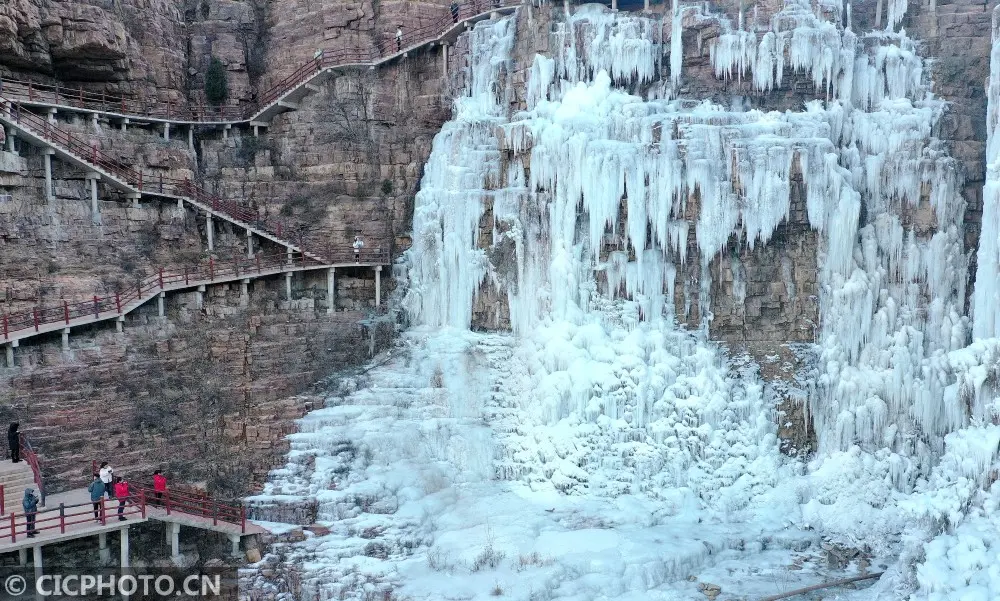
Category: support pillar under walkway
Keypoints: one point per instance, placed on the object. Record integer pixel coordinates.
(10, 352)
(92, 178)
(331, 290)
(209, 232)
(48, 152)
(37, 557)
(102, 545)
(124, 547)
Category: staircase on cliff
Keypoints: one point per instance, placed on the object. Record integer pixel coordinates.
(15, 478)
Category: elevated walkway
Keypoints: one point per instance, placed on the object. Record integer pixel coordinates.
(75, 151)
(71, 515)
(61, 318)
(282, 96)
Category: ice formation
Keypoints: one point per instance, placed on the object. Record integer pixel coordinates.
(986, 297)
(892, 295)
(579, 209)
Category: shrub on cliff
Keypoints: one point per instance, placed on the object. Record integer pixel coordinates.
(216, 83)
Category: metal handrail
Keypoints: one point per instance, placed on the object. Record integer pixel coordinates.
(128, 105)
(63, 516)
(208, 270)
(158, 185)
(30, 457)
(198, 506)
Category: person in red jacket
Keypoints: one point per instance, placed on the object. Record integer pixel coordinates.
(159, 486)
(121, 491)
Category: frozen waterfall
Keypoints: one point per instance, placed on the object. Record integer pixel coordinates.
(602, 448)
(596, 190)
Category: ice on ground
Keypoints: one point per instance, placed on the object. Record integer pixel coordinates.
(602, 452)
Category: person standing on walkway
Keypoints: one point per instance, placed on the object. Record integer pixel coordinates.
(358, 245)
(30, 505)
(121, 491)
(14, 442)
(108, 478)
(96, 490)
(399, 38)
(159, 486)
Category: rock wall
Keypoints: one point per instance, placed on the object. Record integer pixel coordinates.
(135, 47)
(204, 394)
(221, 384)
(347, 162)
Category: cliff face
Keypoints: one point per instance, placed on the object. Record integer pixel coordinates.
(347, 162)
(216, 385)
(135, 47)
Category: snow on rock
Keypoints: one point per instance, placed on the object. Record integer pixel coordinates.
(986, 297)
(600, 450)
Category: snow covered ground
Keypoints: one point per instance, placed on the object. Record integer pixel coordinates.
(599, 452)
(407, 461)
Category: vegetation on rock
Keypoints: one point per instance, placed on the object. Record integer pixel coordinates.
(216, 82)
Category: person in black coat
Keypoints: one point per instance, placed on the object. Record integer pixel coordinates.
(14, 442)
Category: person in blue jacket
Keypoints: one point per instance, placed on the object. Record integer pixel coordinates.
(30, 504)
(96, 489)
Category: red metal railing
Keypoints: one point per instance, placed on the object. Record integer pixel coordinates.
(166, 278)
(157, 185)
(64, 517)
(190, 503)
(29, 456)
(386, 47)
(197, 505)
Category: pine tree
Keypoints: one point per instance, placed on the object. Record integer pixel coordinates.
(216, 83)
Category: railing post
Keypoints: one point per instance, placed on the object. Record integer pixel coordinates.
(66, 310)
(186, 281)
(104, 513)
(13, 529)
(6, 327)
(211, 268)
(161, 278)
(140, 181)
(243, 519)
(258, 271)
(34, 313)
(118, 302)
(166, 500)
(215, 515)
(97, 308)
(2, 508)
(62, 518)
(142, 502)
